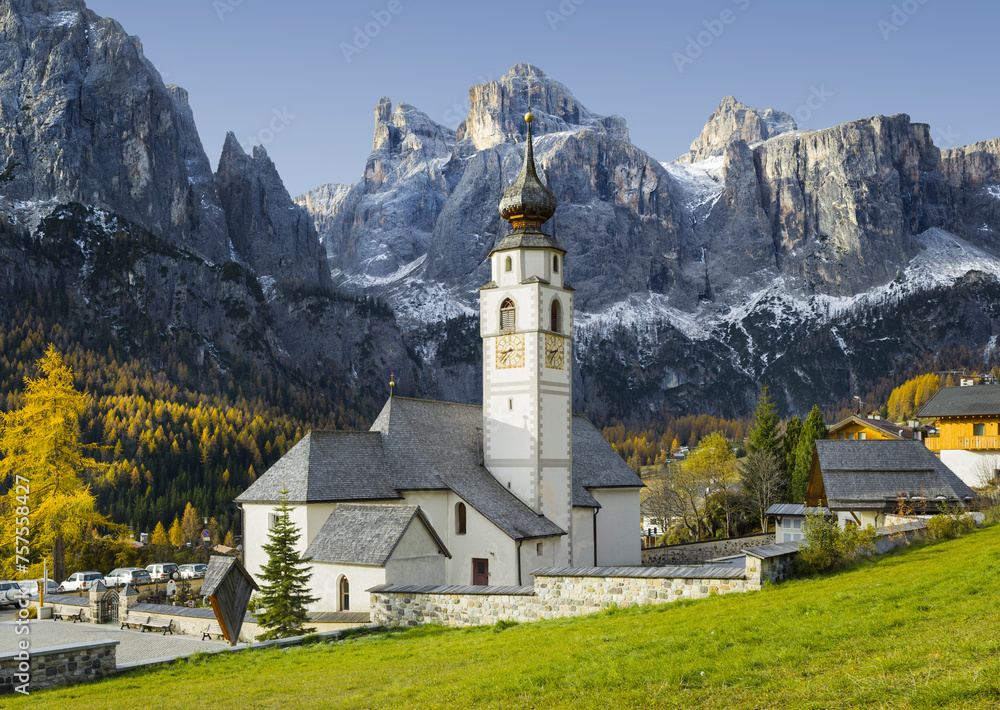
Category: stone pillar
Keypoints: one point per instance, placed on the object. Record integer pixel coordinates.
(127, 598)
(95, 603)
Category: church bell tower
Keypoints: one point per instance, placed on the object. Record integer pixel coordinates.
(526, 322)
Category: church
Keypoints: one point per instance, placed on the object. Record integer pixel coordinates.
(437, 493)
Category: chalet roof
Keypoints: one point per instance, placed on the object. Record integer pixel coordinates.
(366, 534)
(963, 401)
(890, 428)
(873, 475)
(425, 445)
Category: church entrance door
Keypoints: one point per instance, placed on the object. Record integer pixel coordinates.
(480, 571)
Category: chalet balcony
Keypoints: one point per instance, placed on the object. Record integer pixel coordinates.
(966, 443)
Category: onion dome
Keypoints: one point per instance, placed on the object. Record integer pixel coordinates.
(527, 204)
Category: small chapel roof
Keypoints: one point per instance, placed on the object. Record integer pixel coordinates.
(366, 534)
(420, 444)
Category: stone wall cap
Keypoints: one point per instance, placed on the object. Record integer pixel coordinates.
(88, 646)
(452, 589)
(655, 572)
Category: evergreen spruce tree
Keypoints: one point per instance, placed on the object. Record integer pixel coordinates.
(285, 593)
(764, 437)
(814, 428)
(789, 447)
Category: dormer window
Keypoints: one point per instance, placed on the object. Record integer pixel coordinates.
(508, 265)
(555, 319)
(555, 264)
(508, 315)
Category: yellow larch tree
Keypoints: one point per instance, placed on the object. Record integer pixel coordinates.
(176, 535)
(159, 536)
(47, 470)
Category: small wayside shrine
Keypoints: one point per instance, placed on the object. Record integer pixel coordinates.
(437, 493)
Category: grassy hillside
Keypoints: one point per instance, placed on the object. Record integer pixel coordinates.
(920, 629)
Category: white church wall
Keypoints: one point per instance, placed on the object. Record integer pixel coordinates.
(416, 559)
(583, 537)
(970, 466)
(618, 526)
(482, 539)
(538, 554)
(256, 525)
(325, 584)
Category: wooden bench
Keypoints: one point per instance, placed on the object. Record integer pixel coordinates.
(75, 616)
(159, 622)
(211, 630)
(134, 619)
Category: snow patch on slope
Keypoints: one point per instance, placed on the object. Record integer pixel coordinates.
(944, 259)
(700, 183)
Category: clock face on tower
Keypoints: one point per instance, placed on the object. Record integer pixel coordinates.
(555, 356)
(510, 351)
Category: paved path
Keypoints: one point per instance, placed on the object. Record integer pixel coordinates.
(134, 646)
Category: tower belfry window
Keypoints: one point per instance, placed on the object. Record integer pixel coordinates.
(508, 315)
(508, 265)
(555, 264)
(555, 319)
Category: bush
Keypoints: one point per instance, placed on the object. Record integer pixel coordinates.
(830, 547)
(949, 525)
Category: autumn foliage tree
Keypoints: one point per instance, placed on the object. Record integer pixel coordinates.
(47, 471)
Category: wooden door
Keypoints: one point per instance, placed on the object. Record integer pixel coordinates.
(480, 571)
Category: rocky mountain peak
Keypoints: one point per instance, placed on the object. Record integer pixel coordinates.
(406, 130)
(267, 230)
(497, 109)
(734, 120)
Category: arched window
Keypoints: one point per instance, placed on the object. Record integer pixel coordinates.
(508, 315)
(555, 264)
(508, 265)
(460, 518)
(345, 594)
(555, 320)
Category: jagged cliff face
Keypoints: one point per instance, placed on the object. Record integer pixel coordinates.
(705, 266)
(695, 279)
(90, 121)
(267, 231)
(732, 121)
(110, 157)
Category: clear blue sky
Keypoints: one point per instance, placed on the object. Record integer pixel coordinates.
(241, 60)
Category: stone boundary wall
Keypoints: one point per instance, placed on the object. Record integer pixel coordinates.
(555, 595)
(191, 622)
(33, 670)
(696, 553)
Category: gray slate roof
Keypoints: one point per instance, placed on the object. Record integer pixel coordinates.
(963, 401)
(425, 445)
(366, 534)
(327, 466)
(872, 475)
(794, 509)
(780, 549)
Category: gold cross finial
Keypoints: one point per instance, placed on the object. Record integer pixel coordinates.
(392, 383)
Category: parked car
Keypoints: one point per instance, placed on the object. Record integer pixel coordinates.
(193, 571)
(10, 593)
(81, 581)
(30, 588)
(127, 575)
(163, 570)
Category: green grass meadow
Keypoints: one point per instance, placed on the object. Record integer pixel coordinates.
(919, 628)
